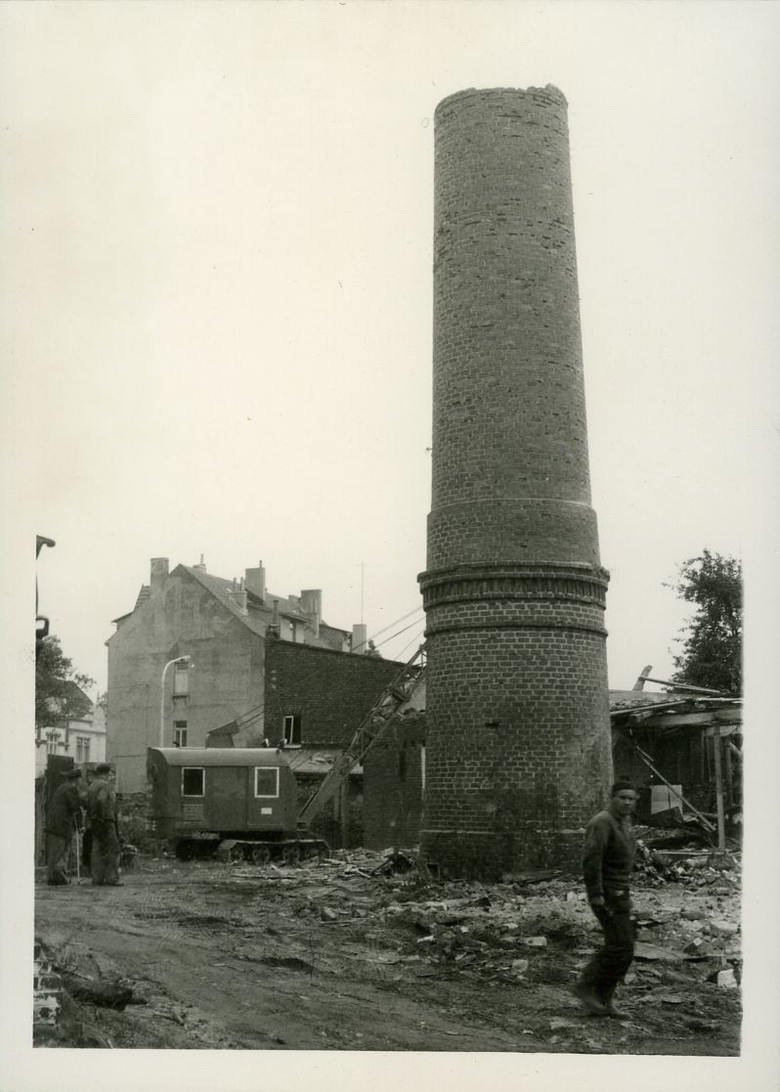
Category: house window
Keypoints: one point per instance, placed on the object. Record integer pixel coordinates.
(181, 680)
(292, 730)
(180, 733)
(82, 749)
(267, 781)
(193, 781)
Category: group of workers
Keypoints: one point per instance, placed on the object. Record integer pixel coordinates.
(88, 814)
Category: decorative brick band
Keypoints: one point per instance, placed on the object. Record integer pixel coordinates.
(582, 583)
(491, 627)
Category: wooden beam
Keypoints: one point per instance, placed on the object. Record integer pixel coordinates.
(719, 790)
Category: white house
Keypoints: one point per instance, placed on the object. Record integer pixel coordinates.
(84, 739)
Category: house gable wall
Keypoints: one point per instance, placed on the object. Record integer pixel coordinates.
(179, 618)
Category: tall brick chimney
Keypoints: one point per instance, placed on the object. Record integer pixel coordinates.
(518, 741)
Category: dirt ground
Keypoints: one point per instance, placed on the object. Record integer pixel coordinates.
(333, 954)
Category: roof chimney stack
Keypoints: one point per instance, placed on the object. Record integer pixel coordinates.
(274, 629)
(311, 604)
(255, 581)
(159, 574)
(238, 594)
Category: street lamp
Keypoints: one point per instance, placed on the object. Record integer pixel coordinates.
(178, 660)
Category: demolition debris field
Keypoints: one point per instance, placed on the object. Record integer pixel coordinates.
(355, 952)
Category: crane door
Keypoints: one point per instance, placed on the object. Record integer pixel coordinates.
(227, 798)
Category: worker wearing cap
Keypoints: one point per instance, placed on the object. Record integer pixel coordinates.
(62, 818)
(608, 861)
(101, 809)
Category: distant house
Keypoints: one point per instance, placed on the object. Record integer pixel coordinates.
(83, 739)
(262, 666)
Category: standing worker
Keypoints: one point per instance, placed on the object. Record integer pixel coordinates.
(101, 809)
(608, 861)
(63, 817)
(86, 838)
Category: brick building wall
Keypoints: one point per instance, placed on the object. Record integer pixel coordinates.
(518, 751)
(393, 774)
(330, 691)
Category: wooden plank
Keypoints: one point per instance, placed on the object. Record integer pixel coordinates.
(719, 791)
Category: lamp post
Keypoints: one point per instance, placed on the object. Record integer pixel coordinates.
(177, 660)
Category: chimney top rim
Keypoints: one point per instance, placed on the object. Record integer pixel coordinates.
(550, 90)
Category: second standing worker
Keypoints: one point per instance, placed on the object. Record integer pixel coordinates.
(103, 820)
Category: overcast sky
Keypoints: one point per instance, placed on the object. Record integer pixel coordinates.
(217, 293)
(216, 321)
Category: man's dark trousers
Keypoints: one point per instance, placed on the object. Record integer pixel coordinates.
(105, 855)
(610, 963)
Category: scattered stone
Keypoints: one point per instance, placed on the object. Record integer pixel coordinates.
(292, 963)
(653, 952)
(724, 928)
(538, 875)
(724, 979)
(327, 914)
(519, 966)
(110, 995)
(696, 1023)
(534, 942)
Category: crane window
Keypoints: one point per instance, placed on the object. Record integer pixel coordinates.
(193, 780)
(267, 781)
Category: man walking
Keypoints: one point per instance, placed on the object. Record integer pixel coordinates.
(608, 861)
(63, 817)
(101, 808)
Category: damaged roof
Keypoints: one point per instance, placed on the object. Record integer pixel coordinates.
(639, 705)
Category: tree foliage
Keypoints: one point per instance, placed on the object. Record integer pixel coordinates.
(712, 641)
(58, 686)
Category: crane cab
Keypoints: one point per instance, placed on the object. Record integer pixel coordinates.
(204, 793)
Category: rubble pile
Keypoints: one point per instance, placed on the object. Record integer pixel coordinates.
(333, 950)
(676, 857)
